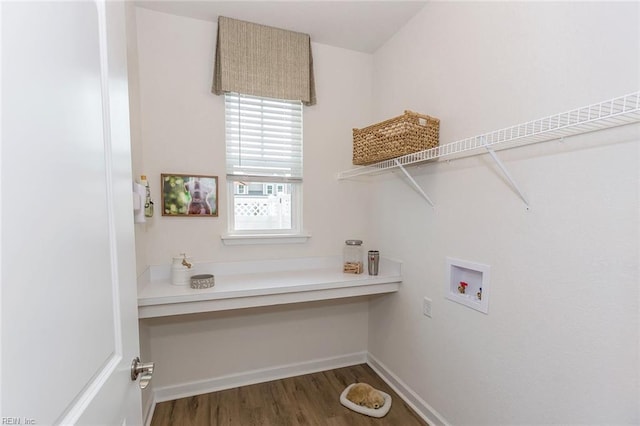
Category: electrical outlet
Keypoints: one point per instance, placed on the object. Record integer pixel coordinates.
(426, 307)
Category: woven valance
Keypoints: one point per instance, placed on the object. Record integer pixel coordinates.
(258, 60)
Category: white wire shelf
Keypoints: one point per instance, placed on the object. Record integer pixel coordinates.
(611, 113)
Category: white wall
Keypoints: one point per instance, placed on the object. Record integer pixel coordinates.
(193, 348)
(182, 131)
(560, 341)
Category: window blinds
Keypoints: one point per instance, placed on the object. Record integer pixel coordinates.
(264, 139)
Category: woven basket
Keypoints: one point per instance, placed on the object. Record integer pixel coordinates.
(410, 132)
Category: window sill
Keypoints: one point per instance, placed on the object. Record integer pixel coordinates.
(249, 239)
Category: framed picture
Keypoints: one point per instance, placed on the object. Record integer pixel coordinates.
(189, 195)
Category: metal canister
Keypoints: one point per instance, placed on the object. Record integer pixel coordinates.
(373, 258)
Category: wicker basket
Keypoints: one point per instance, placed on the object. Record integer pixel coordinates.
(410, 132)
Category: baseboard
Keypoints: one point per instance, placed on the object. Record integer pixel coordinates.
(169, 393)
(412, 399)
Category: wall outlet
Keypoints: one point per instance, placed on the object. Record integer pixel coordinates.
(426, 307)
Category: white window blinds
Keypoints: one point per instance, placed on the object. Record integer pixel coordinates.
(264, 139)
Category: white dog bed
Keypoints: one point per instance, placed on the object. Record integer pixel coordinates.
(371, 412)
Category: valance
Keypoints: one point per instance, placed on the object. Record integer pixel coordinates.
(259, 60)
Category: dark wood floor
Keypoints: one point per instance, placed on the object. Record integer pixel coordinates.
(310, 400)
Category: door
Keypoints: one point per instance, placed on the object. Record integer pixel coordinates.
(68, 293)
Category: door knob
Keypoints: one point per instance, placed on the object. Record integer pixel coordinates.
(142, 369)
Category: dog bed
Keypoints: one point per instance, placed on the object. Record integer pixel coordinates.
(371, 412)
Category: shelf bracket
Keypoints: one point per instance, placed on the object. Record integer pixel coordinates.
(506, 173)
(414, 183)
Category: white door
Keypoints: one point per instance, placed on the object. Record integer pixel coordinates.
(68, 294)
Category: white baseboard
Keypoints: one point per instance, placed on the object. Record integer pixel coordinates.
(412, 399)
(168, 393)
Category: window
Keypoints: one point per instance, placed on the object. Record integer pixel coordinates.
(268, 189)
(240, 188)
(264, 164)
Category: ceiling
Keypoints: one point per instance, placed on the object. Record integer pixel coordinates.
(357, 25)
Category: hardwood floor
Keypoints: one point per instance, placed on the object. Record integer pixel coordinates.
(309, 400)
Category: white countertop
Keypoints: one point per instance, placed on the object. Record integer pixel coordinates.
(260, 283)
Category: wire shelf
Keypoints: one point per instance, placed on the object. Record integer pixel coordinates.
(611, 113)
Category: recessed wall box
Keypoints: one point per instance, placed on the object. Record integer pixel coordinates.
(468, 283)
